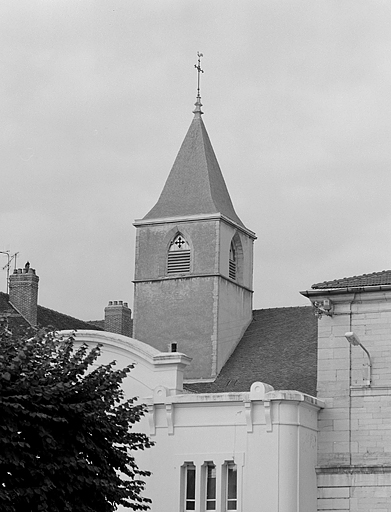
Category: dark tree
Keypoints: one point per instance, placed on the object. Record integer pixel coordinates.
(66, 442)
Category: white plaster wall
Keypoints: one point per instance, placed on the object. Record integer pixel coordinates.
(151, 367)
(277, 457)
(270, 435)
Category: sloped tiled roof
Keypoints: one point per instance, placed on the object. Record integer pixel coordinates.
(195, 184)
(97, 323)
(5, 306)
(50, 318)
(15, 322)
(278, 348)
(45, 317)
(373, 279)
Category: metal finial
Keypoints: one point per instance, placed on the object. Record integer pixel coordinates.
(198, 103)
(199, 71)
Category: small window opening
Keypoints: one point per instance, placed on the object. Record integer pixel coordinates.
(190, 487)
(232, 262)
(210, 487)
(231, 487)
(173, 347)
(178, 261)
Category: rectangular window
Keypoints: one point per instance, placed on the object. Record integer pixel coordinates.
(190, 487)
(210, 487)
(232, 487)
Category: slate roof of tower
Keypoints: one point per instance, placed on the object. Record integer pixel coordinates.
(373, 279)
(195, 184)
(279, 348)
(45, 317)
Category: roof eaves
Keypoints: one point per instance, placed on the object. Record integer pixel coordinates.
(346, 289)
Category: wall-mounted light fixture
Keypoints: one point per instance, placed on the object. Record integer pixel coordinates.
(323, 307)
(354, 340)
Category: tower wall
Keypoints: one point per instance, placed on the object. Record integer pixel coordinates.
(203, 311)
(153, 240)
(181, 311)
(234, 316)
(227, 233)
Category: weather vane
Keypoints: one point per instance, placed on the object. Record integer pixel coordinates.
(199, 71)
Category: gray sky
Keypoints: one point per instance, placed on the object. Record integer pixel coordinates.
(96, 97)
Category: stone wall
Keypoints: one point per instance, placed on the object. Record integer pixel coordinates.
(354, 445)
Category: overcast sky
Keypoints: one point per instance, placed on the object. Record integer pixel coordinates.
(96, 97)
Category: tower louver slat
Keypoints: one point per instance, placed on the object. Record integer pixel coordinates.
(178, 262)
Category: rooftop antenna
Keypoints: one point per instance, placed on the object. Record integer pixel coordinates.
(8, 264)
(198, 103)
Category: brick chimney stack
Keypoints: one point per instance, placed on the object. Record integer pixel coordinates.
(118, 318)
(23, 292)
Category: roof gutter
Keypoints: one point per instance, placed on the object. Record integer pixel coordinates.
(349, 289)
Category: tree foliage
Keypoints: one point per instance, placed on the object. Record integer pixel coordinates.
(66, 442)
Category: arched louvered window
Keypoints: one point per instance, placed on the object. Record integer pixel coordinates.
(232, 262)
(178, 259)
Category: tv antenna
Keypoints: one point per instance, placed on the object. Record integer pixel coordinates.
(8, 264)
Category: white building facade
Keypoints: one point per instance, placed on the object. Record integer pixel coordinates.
(250, 451)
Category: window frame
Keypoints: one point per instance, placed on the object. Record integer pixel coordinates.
(229, 466)
(210, 502)
(187, 500)
(236, 259)
(178, 260)
(222, 462)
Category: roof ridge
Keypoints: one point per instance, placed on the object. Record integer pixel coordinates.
(303, 306)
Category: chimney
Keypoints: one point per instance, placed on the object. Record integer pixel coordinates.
(118, 318)
(23, 292)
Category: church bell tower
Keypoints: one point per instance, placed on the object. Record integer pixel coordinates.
(194, 261)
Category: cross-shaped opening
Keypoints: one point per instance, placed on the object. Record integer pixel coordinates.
(179, 244)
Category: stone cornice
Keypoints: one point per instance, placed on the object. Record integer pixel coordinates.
(351, 470)
(194, 218)
(190, 276)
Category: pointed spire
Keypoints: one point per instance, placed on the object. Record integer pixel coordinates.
(195, 185)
